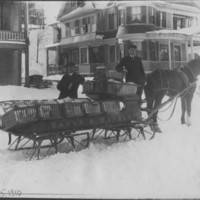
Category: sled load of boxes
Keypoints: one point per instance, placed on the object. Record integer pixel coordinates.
(20, 112)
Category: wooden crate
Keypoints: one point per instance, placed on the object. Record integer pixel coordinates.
(73, 109)
(49, 111)
(121, 89)
(113, 74)
(111, 107)
(19, 116)
(92, 108)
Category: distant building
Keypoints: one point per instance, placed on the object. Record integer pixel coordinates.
(12, 42)
(97, 33)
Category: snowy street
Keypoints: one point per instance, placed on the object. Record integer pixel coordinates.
(166, 167)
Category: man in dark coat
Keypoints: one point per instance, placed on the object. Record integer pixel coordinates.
(133, 67)
(68, 85)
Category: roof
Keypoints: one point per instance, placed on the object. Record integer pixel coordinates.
(135, 28)
(80, 11)
(181, 34)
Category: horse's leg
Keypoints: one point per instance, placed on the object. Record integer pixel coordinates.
(149, 99)
(183, 107)
(189, 98)
(158, 101)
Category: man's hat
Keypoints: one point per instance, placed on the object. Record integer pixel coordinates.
(132, 46)
(70, 64)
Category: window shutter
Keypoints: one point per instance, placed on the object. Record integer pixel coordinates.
(168, 19)
(128, 14)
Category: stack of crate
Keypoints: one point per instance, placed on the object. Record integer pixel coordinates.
(109, 82)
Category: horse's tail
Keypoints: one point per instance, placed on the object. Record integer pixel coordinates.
(9, 138)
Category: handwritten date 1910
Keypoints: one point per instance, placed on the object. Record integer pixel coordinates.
(10, 193)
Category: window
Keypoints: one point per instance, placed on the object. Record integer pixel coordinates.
(77, 27)
(188, 22)
(74, 56)
(84, 55)
(177, 53)
(144, 50)
(111, 21)
(136, 15)
(152, 47)
(179, 22)
(151, 13)
(120, 17)
(86, 25)
(73, 4)
(67, 30)
(164, 53)
(161, 19)
(112, 53)
(95, 54)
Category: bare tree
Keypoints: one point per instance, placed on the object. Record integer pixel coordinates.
(39, 39)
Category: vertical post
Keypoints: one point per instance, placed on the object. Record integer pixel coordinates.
(186, 49)
(170, 60)
(47, 62)
(27, 44)
(192, 48)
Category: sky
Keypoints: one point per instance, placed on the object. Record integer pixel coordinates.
(51, 9)
(167, 167)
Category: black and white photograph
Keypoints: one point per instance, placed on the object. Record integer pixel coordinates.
(100, 99)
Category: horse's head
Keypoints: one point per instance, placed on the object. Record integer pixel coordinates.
(194, 66)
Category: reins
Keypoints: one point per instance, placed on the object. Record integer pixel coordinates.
(171, 112)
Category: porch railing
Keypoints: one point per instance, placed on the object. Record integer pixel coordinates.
(11, 36)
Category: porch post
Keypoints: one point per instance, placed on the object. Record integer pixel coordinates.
(170, 60)
(186, 49)
(27, 44)
(47, 62)
(191, 46)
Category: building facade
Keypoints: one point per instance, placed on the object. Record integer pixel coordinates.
(12, 42)
(97, 33)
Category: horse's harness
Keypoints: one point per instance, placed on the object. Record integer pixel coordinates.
(181, 75)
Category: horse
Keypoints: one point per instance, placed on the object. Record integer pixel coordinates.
(180, 82)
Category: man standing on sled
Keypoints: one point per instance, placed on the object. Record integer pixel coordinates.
(133, 67)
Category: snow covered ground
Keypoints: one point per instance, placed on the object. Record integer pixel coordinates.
(166, 167)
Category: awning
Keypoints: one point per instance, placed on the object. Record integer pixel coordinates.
(181, 34)
(52, 46)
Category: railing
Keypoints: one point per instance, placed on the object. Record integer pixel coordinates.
(152, 65)
(11, 36)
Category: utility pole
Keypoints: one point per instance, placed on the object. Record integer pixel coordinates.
(27, 44)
